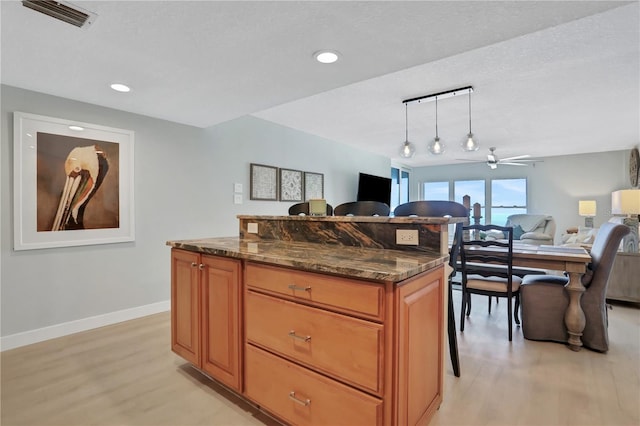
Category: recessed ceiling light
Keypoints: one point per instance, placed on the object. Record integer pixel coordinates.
(119, 87)
(76, 128)
(326, 56)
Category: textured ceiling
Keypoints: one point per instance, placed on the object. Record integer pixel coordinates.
(550, 78)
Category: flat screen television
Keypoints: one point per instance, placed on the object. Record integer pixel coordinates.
(374, 188)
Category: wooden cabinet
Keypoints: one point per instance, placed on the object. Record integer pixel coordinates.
(206, 314)
(624, 283)
(420, 342)
(322, 349)
(185, 305)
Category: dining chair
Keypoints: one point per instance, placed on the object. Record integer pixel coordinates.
(303, 208)
(545, 300)
(487, 269)
(440, 208)
(431, 208)
(362, 208)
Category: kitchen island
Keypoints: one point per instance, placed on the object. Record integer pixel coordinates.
(317, 333)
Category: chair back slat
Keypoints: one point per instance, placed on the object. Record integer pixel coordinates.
(476, 253)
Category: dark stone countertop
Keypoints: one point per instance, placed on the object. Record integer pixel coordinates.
(370, 219)
(354, 262)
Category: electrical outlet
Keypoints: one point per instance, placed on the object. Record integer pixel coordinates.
(252, 228)
(407, 237)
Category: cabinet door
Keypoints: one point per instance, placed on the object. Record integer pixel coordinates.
(420, 334)
(185, 309)
(221, 319)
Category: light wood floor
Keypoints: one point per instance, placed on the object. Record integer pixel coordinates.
(125, 374)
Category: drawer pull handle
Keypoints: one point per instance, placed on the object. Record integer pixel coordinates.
(295, 287)
(194, 264)
(305, 402)
(293, 334)
(201, 266)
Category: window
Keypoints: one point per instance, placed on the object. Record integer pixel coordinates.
(498, 198)
(508, 196)
(399, 187)
(436, 191)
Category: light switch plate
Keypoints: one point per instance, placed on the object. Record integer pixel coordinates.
(237, 198)
(237, 188)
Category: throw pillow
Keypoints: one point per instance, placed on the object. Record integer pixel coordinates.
(517, 232)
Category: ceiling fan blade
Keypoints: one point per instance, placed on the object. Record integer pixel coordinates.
(533, 160)
(470, 161)
(517, 157)
(502, 163)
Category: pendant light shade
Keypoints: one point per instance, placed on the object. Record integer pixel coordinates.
(436, 146)
(469, 143)
(407, 150)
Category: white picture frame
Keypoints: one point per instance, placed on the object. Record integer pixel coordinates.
(50, 156)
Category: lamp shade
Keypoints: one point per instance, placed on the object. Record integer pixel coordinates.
(587, 207)
(625, 201)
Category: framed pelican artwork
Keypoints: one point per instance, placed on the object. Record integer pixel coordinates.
(73, 183)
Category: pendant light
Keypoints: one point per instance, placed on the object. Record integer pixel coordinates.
(436, 147)
(407, 150)
(469, 144)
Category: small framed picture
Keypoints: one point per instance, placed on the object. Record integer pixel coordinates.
(263, 182)
(291, 188)
(313, 185)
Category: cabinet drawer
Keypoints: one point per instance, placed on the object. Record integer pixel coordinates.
(342, 294)
(302, 397)
(344, 347)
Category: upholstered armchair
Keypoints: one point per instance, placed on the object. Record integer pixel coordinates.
(534, 229)
(545, 300)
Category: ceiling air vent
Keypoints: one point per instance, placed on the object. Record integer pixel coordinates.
(63, 11)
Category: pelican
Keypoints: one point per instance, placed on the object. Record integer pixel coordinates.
(85, 168)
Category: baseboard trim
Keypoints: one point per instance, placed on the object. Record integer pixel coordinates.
(51, 332)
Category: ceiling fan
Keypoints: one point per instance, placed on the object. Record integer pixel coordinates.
(493, 161)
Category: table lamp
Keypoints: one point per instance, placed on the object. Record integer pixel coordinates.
(587, 208)
(627, 202)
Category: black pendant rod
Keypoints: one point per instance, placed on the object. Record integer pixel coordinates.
(441, 95)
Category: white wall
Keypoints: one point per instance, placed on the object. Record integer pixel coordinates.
(184, 180)
(554, 186)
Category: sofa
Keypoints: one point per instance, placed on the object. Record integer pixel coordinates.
(583, 236)
(536, 229)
